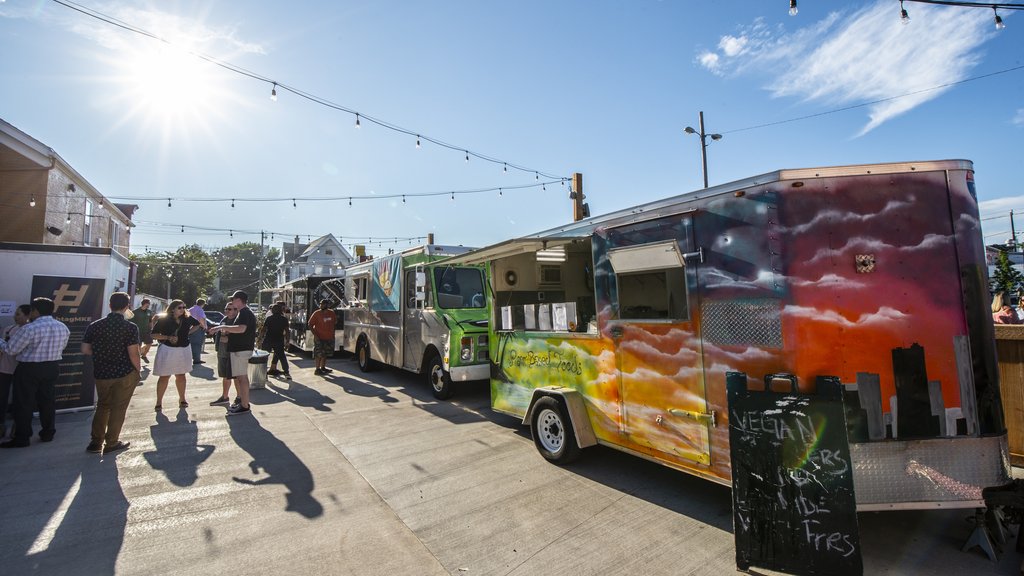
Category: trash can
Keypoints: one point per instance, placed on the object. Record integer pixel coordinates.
(258, 369)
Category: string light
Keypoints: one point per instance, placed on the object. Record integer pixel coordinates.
(349, 200)
(183, 229)
(168, 202)
(32, 201)
(417, 141)
(453, 196)
(231, 233)
(505, 169)
(273, 93)
(403, 198)
(999, 19)
(904, 17)
(357, 120)
(293, 203)
(499, 191)
(536, 176)
(467, 155)
(232, 202)
(69, 218)
(792, 8)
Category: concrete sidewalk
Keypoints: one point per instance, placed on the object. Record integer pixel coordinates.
(349, 474)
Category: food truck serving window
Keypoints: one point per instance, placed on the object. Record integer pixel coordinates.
(651, 281)
(459, 287)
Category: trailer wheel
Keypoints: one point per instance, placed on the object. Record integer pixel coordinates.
(552, 431)
(363, 355)
(439, 380)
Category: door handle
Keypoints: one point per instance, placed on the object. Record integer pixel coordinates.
(706, 418)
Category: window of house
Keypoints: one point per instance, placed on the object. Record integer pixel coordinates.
(329, 251)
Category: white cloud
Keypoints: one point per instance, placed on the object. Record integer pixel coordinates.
(859, 56)
(1019, 118)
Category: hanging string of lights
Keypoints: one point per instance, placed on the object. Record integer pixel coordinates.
(272, 235)
(905, 16)
(275, 84)
(543, 185)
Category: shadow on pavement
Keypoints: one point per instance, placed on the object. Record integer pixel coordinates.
(358, 388)
(176, 452)
(296, 393)
(280, 465)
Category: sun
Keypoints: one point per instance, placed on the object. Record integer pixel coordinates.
(165, 83)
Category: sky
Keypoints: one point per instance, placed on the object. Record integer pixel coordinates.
(541, 88)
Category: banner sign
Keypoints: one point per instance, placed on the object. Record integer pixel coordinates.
(78, 302)
(386, 286)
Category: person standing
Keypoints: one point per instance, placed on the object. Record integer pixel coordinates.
(322, 323)
(142, 317)
(220, 341)
(8, 363)
(275, 339)
(198, 338)
(173, 357)
(39, 347)
(241, 333)
(113, 343)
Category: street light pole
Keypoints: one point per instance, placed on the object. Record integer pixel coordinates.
(703, 144)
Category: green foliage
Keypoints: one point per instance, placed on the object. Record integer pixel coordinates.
(191, 272)
(1006, 278)
(186, 274)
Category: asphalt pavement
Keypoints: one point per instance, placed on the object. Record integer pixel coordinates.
(355, 473)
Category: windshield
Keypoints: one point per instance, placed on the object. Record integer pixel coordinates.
(459, 287)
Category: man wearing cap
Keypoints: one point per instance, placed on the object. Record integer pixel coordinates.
(113, 343)
(322, 323)
(39, 347)
(241, 331)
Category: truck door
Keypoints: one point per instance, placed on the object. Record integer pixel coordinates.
(657, 344)
(412, 324)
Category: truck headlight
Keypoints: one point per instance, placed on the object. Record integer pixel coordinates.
(467, 349)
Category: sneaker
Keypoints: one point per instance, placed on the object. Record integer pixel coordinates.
(273, 372)
(145, 359)
(287, 376)
(221, 400)
(237, 402)
(94, 448)
(236, 410)
(119, 446)
(326, 369)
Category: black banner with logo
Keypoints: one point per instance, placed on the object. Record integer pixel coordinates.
(78, 302)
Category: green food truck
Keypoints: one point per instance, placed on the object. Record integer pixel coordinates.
(403, 310)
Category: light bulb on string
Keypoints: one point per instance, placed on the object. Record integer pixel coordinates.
(467, 155)
(231, 233)
(69, 218)
(904, 16)
(453, 196)
(349, 200)
(792, 8)
(417, 141)
(232, 202)
(536, 176)
(357, 120)
(544, 186)
(505, 168)
(293, 203)
(999, 19)
(168, 202)
(273, 93)
(32, 201)
(403, 198)
(183, 229)
(499, 191)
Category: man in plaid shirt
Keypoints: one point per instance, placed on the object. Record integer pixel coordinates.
(39, 347)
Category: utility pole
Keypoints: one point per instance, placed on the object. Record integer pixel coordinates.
(580, 210)
(259, 287)
(703, 144)
(1013, 233)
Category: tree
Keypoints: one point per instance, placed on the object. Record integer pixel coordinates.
(1006, 278)
(238, 267)
(185, 274)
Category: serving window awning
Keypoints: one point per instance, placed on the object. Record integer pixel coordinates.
(646, 257)
(512, 247)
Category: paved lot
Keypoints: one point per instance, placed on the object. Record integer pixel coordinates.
(355, 475)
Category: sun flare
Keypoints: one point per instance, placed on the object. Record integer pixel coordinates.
(166, 82)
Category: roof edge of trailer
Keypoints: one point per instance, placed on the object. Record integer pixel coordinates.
(584, 228)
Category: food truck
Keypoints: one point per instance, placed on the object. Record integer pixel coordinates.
(403, 311)
(301, 298)
(622, 329)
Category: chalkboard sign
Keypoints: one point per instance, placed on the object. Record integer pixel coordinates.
(794, 508)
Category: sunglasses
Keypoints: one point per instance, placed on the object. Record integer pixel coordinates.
(180, 308)
(229, 309)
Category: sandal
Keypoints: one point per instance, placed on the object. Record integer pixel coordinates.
(159, 408)
(182, 404)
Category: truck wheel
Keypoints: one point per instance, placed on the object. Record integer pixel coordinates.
(438, 379)
(552, 431)
(363, 355)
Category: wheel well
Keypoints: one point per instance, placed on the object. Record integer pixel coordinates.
(576, 412)
(431, 349)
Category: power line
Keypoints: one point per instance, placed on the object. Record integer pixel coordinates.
(306, 95)
(880, 100)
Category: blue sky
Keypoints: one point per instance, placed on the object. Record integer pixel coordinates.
(600, 87)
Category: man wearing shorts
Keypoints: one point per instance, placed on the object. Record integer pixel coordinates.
(142, 317)
(322, 323)
(241, 333)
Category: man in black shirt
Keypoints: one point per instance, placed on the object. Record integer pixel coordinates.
(113, 343)
(275, 339)
(241, 340)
